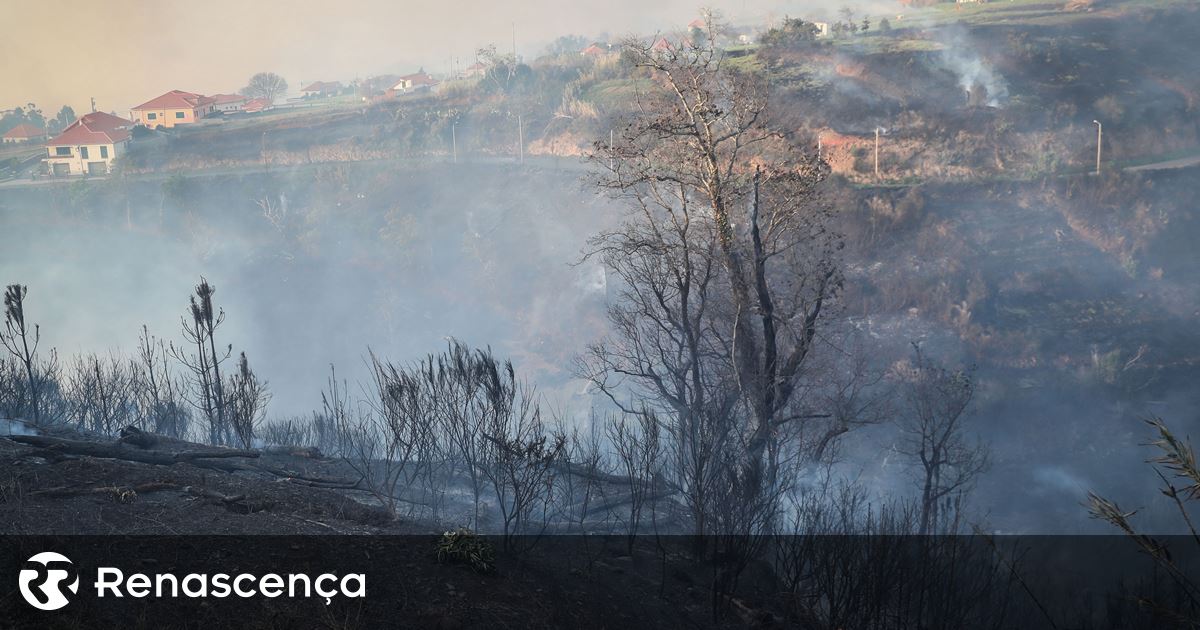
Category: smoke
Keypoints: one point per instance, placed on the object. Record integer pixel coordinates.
(15, 427)
(976, 77)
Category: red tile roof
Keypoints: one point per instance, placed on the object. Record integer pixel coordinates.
(175, 99)
(418, 78)
(105, 122)
(94, 128)
(323, 86)
(256, 105)
(25, 131)
(594, 49)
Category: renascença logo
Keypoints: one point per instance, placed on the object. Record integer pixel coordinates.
(43, 578)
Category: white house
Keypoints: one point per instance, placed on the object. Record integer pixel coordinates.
(89, 145)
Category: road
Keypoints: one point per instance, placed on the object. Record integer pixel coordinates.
(1183, 162)
(552, 162)
(556, 162)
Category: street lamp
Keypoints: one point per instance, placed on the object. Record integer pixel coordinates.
(1099, 143)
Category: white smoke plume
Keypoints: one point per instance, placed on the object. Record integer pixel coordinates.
(960, 56)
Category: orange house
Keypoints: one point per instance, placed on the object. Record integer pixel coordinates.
(173, 108)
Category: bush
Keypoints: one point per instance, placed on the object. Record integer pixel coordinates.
(463, 546)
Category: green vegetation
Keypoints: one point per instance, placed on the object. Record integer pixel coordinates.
(462, 546)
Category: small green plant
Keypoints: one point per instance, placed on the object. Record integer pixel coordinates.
(465, 547)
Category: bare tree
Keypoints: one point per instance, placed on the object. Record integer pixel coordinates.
(520, 461)
(935, 435)
(266, 85)
(726, 267)
(638, 445)
(101, 394)
(455, 381)
(585, 465)
(247, 399)
(158, 389)
(375, 436)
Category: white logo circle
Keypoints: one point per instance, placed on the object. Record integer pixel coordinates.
(42, 586)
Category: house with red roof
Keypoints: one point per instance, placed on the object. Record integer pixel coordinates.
(319, 89)
(416, 82)
(173, 108)
(595, 50)
(228, 103)
(256, 105)
(24, 132)
(663, 45)
(89, 145)
(477, 69)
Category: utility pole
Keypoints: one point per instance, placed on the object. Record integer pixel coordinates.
(1099, 143)
(877, 129)
(819, 145)
(520, 139)
(454, 141)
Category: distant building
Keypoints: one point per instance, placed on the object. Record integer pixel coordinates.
(662, 45)
(595, 50)
(477, 69)
(416, 82)
(698, 23)
(376, 86)
(256, 105)
(173, 108)
(89, 145)
(228, 103)
(320, 89)
(822, 28)
(24, 133)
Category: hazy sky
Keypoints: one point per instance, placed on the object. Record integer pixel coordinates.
(124, 52)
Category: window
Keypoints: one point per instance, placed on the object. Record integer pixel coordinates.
(151, 116)
(62, 151)
(179, 114)
(83, 152)
(104, 152)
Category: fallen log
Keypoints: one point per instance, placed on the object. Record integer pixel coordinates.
(234, 503)
(214, 458)
(315, 482)
(308, 452)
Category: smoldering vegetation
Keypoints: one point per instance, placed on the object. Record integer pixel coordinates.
(1088, 332)
(712, 335)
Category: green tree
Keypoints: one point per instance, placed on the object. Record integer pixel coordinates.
(792, 34)
(65, 116)
(28, 115)
(567, 45)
